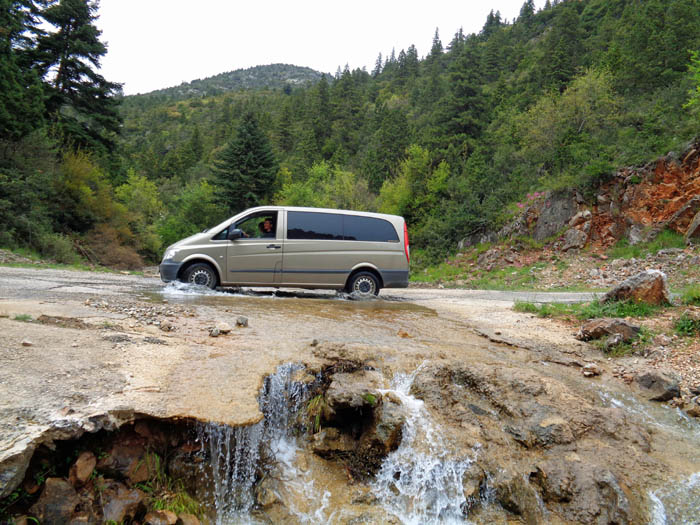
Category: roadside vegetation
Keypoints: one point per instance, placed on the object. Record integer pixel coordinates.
(454, 137)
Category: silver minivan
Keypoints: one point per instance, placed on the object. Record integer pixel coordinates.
(282, 246)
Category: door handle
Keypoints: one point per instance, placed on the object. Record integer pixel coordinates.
(274, 246)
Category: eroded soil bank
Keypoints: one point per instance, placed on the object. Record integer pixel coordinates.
(496, 396)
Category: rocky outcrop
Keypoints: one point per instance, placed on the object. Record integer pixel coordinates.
(649, 286)
(659, 386)
(599, 328)
(57, 503)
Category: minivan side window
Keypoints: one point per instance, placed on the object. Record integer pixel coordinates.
(312, 225)
(315, 225)
(356, 228)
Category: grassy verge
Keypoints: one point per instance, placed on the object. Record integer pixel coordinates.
(664, 240)
(592, 310)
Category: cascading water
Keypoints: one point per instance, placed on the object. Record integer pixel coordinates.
(678, 503)
(421, 482)
(235, 453)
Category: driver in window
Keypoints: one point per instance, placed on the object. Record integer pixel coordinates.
(267, 228)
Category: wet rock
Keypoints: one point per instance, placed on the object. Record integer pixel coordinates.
(81, 470)
(660, 386)
(384, 435)
(553, 431)
(582, 492)
(574, 239)
(649, 286)
(591, 370)
(354, 390)
(330, 442)
(224, 328)
(187, 519)
(57, 502)
(121, 502)
(160, 517)
(599, 328)
(515, 494)
(242, 321)
(265, 495)
(126, 460)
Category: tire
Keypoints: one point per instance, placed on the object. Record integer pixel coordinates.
(201, 274)
(363, 284)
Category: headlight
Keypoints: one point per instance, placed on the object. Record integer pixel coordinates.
(169, 254)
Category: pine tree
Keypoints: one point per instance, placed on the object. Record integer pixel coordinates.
(80, 101)
(245, 171)
(21, 103)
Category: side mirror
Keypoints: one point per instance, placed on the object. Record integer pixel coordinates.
(234, 234)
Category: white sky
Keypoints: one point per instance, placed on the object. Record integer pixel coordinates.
(154, 44)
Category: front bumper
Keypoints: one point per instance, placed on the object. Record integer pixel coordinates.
(169, 270)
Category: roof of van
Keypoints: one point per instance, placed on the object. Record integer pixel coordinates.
(326, 210)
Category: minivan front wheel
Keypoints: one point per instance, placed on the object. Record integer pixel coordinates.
(201, 274)
(363, 284)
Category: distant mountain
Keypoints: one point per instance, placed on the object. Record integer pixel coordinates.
(273, 76)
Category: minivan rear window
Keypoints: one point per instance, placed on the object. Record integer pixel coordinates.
(357, 228)
(305, 225)
(315, 225)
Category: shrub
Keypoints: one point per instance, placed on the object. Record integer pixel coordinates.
(691, 295)
(687, 326)
(106, 247)
(57, 247)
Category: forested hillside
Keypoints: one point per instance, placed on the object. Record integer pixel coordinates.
(452, 137)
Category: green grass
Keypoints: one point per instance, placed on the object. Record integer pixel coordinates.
(25, 318)
(687, 326)
(691, 295)
(666, 239)
(591, 310)
(441, 272)
(624, 349)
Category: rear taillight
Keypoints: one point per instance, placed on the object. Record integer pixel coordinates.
(405, 243)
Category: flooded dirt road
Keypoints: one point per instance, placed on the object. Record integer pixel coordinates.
(83, 351)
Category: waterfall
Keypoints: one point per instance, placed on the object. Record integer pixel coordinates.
(235, 453)
(421, 482)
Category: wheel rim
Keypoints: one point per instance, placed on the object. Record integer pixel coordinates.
(202, 277)
(364, 286)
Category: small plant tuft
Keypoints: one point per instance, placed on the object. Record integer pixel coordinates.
(687, 326)
(25, 318)
(691, 295)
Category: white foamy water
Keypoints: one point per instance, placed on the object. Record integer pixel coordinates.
(677, 504)
(421, 482)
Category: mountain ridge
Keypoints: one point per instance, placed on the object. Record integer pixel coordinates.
(268, 76)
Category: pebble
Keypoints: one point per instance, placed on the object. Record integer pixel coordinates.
(214, 332)
(242, 321)
(27, 342)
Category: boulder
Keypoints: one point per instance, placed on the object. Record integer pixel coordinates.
(57, 502)
(580, 218)
(574, 239)
(81, 470)
(692, 234)
(584, 493)
(386, 430)
(355, 390)
(120, 502)
(187, 519)
(557, 211)
(224, 328)
(659, 386)
(160, 517)
(649, 286)
(598, 328)
(330, 442)
(515, 494)
(126, 460)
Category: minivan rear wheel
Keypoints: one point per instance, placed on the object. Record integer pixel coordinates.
(201, 274)
(363, 284)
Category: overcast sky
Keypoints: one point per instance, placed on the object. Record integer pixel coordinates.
(154, 44)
